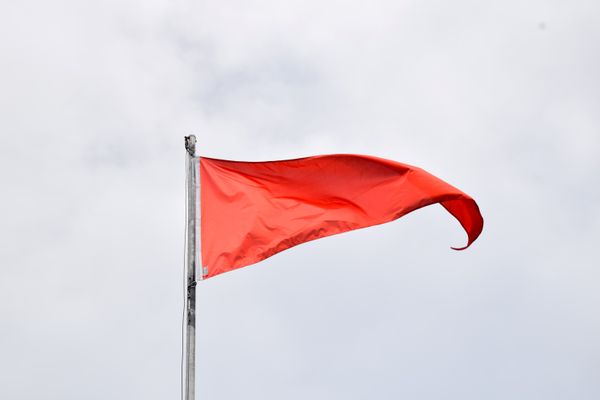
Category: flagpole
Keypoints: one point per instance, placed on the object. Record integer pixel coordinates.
(191, 255)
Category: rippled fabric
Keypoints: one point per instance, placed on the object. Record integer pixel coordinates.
(253, 210)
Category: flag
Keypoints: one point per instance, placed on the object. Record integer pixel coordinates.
(250, 211)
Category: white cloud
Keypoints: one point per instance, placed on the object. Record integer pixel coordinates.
(499, 99)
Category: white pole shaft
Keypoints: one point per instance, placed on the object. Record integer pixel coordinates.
(190, 271)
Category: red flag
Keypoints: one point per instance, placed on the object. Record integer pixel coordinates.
(253, 210)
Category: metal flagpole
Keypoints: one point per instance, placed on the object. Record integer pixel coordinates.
(191, 255)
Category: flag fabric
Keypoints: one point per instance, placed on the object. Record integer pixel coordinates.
(250, 211)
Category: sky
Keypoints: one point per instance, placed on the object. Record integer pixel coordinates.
(500, 99)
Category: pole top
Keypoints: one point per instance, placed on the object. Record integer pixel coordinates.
(190, 145)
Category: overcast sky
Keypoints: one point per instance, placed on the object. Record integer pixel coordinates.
(501, 99)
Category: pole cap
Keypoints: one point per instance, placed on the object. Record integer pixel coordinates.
(190, 144)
